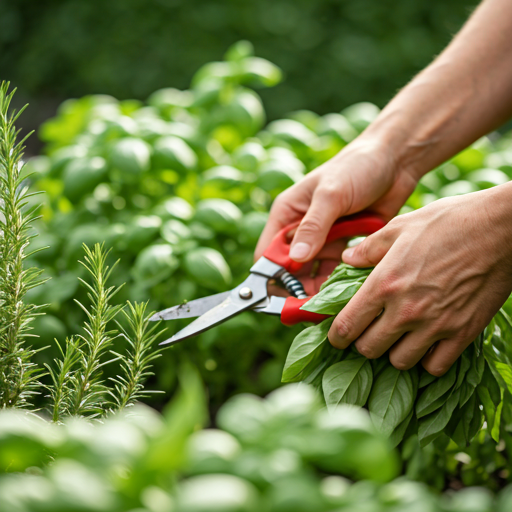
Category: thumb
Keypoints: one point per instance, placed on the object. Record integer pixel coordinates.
(371, 250)
(312, 232)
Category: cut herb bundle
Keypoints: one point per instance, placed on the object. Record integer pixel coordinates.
(403, 403)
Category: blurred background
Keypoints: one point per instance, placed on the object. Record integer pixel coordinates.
(333, 52)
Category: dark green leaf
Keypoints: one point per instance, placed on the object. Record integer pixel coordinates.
(348, 381)
(431, 398)
(391, 399)
(433, 424)
(462, 418)
(398, 434)
(426, 378)
(464, 364)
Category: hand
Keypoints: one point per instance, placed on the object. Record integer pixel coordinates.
(442, 272)
(364, 175)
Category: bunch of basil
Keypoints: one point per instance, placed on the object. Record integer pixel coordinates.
(403, 403)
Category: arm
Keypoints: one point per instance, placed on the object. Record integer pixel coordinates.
(463, 94)
(442, 271)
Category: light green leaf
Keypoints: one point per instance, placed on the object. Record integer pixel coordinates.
(348, 382)
(391, 399)
(506, 373)
(304, 348)
(332, 299)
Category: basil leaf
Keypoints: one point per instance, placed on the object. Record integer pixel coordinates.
(505, 372)
(475, 372)
(466, 392)
(435, 391)
(398, 434)
(464, 364)
(333, 298)
(462, 418)
(476, 421)
(304, 348)
(433, 424)
(426, 378)
(491, 396)
(345, 272)
(348, 382)
(391, 399)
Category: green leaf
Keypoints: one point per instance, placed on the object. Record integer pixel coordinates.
(462, 418)
(391, 399)
(464, 364)
(332, 299)
(304, 348)
(348, 382)
(506, 373)
(398, 434)
(426, 378)
(432, 397)
(433, 424)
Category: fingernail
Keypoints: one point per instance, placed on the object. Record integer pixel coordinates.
(300, 251)
(348, 253)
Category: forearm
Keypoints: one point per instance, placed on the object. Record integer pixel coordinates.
(465, 93)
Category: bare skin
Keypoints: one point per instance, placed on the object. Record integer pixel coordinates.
(443, 271)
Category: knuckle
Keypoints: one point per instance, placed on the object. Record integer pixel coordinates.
(343, 328)
(310, 226)
(328, 193)
(436, 370)
(389, 286)
(399, 363)
(367, 351)
(280, 202)
(410, 312)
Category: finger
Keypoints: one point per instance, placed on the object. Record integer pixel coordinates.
(380, 336)
(356, 316)
(445, 353)
(312, 231)
(285, 210)
(372, 249)
(409, 350)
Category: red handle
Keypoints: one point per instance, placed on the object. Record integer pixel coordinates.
(292, 314)
(354, 225)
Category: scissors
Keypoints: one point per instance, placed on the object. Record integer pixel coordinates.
(252, 293)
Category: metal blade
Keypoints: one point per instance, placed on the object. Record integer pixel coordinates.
(272, 305)
(191, 309)
(231, 306)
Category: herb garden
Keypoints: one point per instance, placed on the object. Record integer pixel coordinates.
(135, 207)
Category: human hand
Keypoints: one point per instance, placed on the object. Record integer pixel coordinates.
(364, 175)
(442, 272)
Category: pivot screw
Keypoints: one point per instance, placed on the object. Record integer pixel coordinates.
(245, 293)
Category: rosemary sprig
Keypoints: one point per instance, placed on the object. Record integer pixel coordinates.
(136, 364)
(64, 379)
(89, 392)
(19, 376)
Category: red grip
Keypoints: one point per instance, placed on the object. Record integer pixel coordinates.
(353, 225)
(292, 314)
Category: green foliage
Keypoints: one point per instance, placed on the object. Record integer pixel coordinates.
(278, 454)
(18, 373)
(439, 405)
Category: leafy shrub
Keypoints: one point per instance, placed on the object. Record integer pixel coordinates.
(283, 453)
(411, 401)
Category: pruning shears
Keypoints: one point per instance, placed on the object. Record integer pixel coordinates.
(252, 293)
